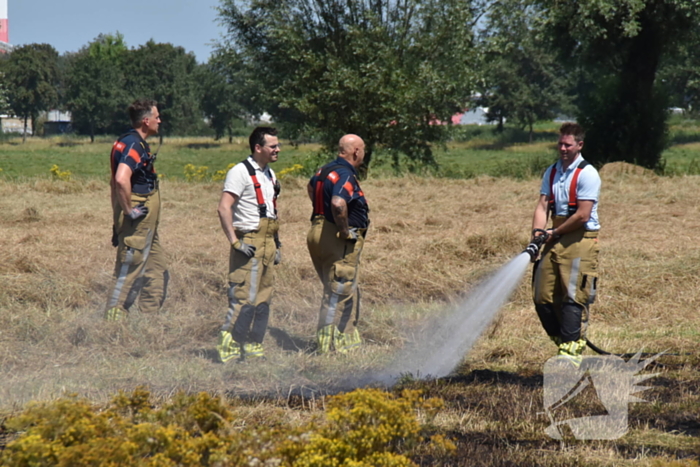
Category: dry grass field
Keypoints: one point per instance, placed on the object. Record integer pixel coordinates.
(431, 240)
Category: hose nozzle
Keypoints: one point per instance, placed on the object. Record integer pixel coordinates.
(533, 249)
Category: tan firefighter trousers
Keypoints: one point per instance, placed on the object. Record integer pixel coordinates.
(250, 284)
(141, 269)
(564, 284)
(337, 264)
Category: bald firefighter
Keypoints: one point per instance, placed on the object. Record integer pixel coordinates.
(248, 214)
(338, 227)
(566, 276)
(141, 270)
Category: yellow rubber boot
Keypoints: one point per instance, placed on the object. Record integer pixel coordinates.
(347, 341)
(253, 349)
(227, 347)
(115, 314)
(324, 338)
(572, 350)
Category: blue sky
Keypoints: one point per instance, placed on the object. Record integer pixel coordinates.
(70, 24)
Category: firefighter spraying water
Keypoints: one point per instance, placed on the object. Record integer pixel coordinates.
(565, 275)
(440, 347)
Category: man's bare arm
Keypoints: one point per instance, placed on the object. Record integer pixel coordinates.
(122, 187)
(539, 219)
(226, 215)
(339, 208)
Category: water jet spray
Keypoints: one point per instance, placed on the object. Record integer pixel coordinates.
(442, 344)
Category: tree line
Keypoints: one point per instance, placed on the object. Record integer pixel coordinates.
(391, 71)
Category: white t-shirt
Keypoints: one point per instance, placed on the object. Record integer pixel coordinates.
(246, 216)
(587, 189)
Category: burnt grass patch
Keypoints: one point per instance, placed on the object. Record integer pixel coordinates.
(502, 421)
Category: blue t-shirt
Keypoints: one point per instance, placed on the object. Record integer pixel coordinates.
(587, 189)
(134, 151)
(341, 181)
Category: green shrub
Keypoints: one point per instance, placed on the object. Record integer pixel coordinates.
(363, 428)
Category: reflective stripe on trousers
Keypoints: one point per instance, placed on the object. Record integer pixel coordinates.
(126, 265)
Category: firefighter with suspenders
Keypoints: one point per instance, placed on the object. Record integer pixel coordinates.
(338, 226)
(248, 214)
(141, 269)
(566, 276)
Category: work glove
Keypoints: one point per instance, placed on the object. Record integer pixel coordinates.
(115, 236)
(352, 234)
(138, 211)
(248, 250)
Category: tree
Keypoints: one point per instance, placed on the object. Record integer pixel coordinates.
(167, 74)
(220, 86)
(32, 78)
(387, 70)
(95, 83)
(522, 80)
(680, 73)
(620, 44)
(4, 98)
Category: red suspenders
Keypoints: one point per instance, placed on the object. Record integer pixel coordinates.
(327, 172)
(262, 207)
(573, 202)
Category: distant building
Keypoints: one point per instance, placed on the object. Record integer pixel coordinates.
(57, 123)
(264, 119)
(475, 116)
(4, 28)
(12, 124)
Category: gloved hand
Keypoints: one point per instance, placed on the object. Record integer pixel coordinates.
(138, 211)
(248, 250)
(115, 236)
(352, 234)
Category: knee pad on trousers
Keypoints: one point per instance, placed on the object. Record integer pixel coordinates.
(570, 325)
(342, 288)
(548, 318)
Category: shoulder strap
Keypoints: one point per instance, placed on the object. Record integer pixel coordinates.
(573, 202)
(321, 177)
(277, 187)
(552, 175)
(262, 207)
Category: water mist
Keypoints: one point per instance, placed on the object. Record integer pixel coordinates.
(445, 341)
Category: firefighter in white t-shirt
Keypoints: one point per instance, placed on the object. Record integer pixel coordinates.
(248, 214)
